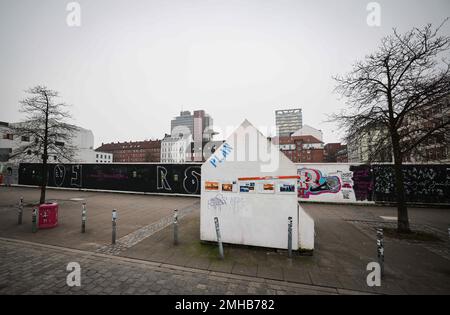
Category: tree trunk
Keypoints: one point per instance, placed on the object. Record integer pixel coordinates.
(44, 180)
(402, 210)
(45, 156)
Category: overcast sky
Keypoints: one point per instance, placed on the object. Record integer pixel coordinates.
(133, 65)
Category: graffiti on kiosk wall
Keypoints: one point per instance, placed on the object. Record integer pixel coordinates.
(315, 182)
(221, 155)
(237, 204)
(217, 202)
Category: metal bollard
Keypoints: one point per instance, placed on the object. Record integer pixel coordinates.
(175, 227)
(83, 217)
(290, 237)
(34, 220)
(219, 239)
(114, 218)
(380, 249)
(20, 214)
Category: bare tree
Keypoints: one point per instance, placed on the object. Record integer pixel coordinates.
(391, 95)
(44, 131)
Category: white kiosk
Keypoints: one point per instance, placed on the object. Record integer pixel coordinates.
(251, 187)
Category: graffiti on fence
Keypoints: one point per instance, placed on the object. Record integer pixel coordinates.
(423, 183)
(362, 182)
(321, 182)
(314, 182)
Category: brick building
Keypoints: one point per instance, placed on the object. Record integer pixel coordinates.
(301, 149)
(331, 152)
(342, 154)
(134, 151)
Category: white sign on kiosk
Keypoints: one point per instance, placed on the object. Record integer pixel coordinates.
(251, 187)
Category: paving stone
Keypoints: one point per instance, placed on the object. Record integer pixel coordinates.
(246, 270)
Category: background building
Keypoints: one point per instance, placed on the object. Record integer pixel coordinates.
(306, 130)
(436, 148)
(301, 149)
(133, 151)
(82, 141)
(342, 154)
(288, 121)
(196, 122)
(193, 131)
(176, 149)
(6, 143)
(364, 148)
(330, 152)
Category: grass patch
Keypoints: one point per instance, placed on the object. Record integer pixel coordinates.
(413, 236)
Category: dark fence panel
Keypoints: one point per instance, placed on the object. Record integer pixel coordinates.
(151, 178)
(362, 182)
(423, 183)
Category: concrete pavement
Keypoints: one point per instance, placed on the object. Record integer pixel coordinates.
(345, 242)
(30, 268)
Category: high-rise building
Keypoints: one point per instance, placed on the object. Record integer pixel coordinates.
(288, 121)
(194, 123)
(193, 128)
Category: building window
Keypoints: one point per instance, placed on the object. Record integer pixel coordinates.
(25, 139)
(8, 136)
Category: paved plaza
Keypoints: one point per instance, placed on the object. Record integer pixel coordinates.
(145, 260)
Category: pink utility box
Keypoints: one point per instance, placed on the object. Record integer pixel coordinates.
(48, 215)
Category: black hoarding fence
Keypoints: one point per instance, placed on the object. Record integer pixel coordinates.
(148, 178)
(427, 184)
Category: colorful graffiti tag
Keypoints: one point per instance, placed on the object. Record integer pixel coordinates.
(314, 182)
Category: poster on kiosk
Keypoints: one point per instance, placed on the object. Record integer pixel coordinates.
(251, 187)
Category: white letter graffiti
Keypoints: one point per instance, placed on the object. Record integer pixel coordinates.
(76, 176)
(191, 180)
(161, 178)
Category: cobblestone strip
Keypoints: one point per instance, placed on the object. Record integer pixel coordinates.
(439, 248)
(141, 234)
(28, 268)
